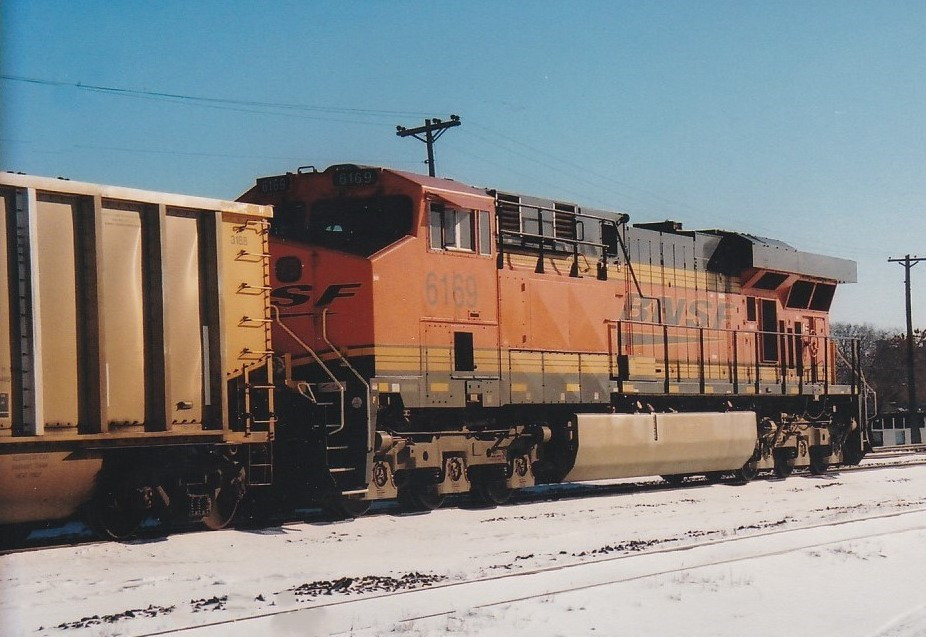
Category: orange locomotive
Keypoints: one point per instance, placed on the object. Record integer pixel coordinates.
(438, 338)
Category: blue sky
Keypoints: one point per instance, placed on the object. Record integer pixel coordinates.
(801, 121)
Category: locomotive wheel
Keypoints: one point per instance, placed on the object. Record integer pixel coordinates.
(748, 471)
(492, 490)
(783, 467)
(675, 479)
(420, 497)
(818, 464)
(344, 508)
(225, 499)
(118, 511)
(852, 455)
(852, 450)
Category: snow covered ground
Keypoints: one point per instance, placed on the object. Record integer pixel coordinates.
(840, 554)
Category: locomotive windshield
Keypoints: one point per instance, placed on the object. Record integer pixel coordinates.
(359, 226)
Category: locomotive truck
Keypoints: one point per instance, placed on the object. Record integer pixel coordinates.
(386, 335)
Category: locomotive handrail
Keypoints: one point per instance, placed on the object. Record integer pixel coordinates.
(542, 240)
(551, 239)
(865, 390)
(724, 329)
(622, 217)
(317, 358)
(347, 364)
(855, 380)
(633, 275)
(576, 217)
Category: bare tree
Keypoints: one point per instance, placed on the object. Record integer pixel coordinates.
(882, 355)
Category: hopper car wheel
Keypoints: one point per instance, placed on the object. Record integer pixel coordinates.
(748, 471)
(225, 498)
(675, 479)
(783, 467)
(420, 497)
(492, 490)
(714, 477)
(818, 464)
(343, 508)
(118, 511)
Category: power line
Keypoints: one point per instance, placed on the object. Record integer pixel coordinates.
(606, 184)
(205, 100)
(365, 116)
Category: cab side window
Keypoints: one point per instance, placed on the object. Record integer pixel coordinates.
(457, 229)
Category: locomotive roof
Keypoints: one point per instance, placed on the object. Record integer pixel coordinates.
(734, 253)
(450, 190)
(440, 183)
(738, 251)
(447, 188)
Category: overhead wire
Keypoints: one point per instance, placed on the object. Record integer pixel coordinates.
(509, 169)
(224, 155)
(356, 116)
(115, 90)
(582, 173)
(584, 170)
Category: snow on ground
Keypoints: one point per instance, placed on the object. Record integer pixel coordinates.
(839, 554)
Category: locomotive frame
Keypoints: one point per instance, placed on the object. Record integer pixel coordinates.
(486, 390)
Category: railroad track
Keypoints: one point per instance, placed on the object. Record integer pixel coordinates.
(81, 535)
(347, 615)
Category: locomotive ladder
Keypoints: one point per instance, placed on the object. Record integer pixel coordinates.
(341, 458)
(349, 449)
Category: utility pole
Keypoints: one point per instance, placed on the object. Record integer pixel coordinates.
(912, 406)
(433, 128)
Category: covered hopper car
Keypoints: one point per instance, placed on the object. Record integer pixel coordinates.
(128, 320)
(389, 335)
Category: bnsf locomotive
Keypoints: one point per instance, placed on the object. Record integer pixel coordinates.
(388, 335)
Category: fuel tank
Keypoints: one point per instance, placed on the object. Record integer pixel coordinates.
(630, 445)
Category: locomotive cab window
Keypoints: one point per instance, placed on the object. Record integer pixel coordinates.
(359, 226)
(457, 229)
